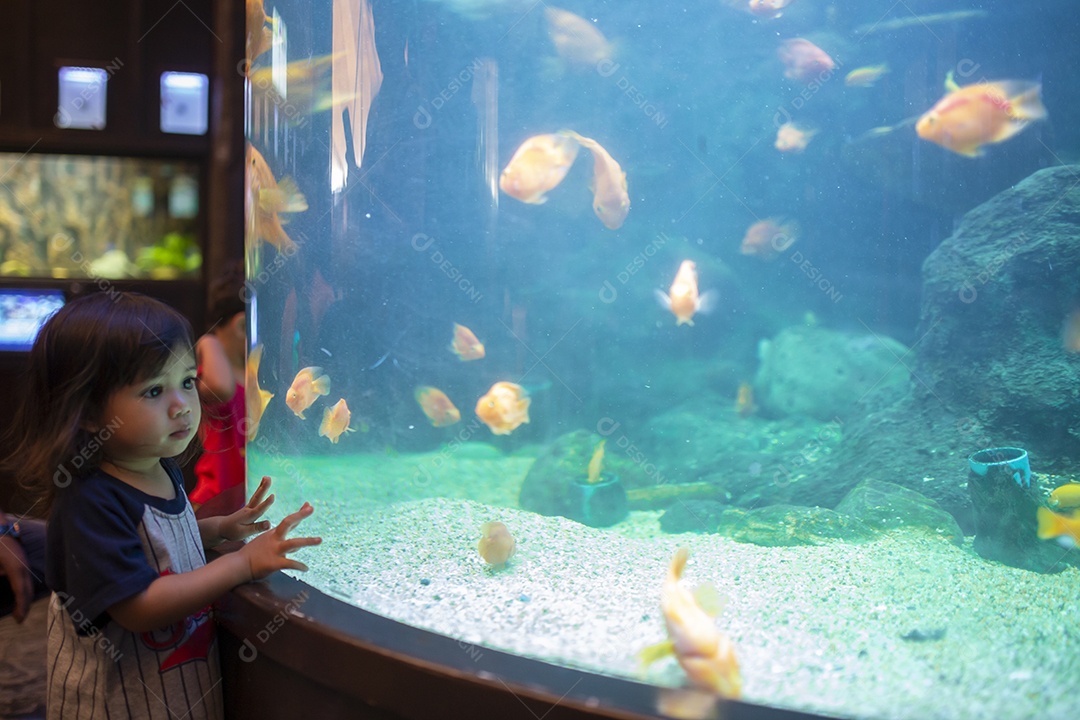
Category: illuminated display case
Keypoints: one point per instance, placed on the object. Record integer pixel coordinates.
(99, 217)
(540, 297)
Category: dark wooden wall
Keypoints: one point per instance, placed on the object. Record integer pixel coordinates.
(135, 41)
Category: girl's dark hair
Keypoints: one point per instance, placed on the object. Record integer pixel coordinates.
(227, 295)
(90, 348)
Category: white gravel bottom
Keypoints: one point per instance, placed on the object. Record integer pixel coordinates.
(815, 628)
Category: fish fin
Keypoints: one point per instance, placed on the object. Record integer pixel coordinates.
(1049, 523)
(663, 299)
(322, 385)
(950, 82)
(301, 415)
(292, 200)
(656, 651)
(707, 301)
(708, 598)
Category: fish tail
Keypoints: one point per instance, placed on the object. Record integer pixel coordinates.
(1049, 523)
(1028, 105)
(654, 652)
(678, 564)
(322, 385)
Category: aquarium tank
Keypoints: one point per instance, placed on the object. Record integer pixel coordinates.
(559, 312)
(99, 216)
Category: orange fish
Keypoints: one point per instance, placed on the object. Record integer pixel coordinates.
(1070, 332)
(465, 345)
(975, 115)
(496, 543)
(683, 299)
(793, 138)
(537, 167)
(335, 421)
(259, 37)
(611, 202)
(576, 39)
(256, 398)
(865, 76)
(309, 384)
(768, 8)
(504, 408)
(768, 238)
(804, 61)
(437, 406)
(264, 199)
(744, 401)
(705, 654)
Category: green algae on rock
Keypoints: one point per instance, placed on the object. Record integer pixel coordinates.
(789, 525)
(885, 506)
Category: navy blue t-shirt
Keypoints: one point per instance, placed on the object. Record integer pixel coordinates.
(95, 554)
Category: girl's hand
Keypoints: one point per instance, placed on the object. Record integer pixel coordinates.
(242, 523)
(268, 551)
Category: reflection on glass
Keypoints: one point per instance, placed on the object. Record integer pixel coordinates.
(591, 285)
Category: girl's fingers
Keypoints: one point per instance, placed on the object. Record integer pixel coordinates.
(295, 565)
(294, 544)
(257, 497)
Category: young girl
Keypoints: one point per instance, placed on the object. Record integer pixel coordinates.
(219, 355)
(111, 401)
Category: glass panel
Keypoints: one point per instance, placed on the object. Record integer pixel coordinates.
(184, 103)
(76, 216)
(82, 98)
(545, 295)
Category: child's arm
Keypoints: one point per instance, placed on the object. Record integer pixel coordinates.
(242, 523)
(172, 598)
(215, 381)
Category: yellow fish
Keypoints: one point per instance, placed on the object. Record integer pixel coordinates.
(576, 39)
(706, 655)
(1066, 496)
(1064, 527)
(611, 201)
(309, 384)
(335, 421)
(537, 167)
(596, 464)
(256, 398)
(264, 199)
(975, 115)
(307, 88)
(865, 76)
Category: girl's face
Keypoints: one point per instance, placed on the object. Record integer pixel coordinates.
(153, 418)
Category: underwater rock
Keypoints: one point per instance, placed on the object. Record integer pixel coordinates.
(700, 516)
(990, 366)
(788, 525)
(548, 487)
(750, 461)
(885, 505)
(995, 296)
(825, 374)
